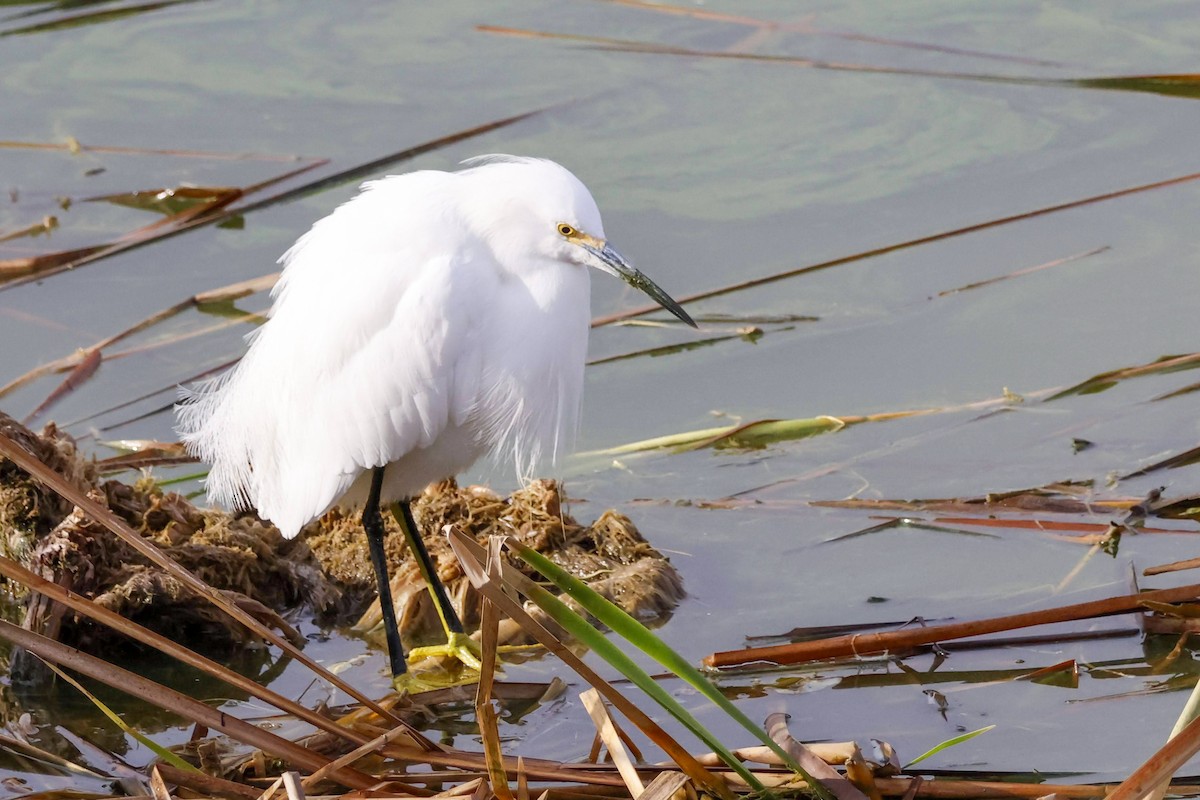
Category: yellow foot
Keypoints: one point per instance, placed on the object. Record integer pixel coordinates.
(458, 646)
(451, 664)
(428, 680)
(440, 666)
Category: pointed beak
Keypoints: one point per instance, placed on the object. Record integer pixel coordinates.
(614, 263)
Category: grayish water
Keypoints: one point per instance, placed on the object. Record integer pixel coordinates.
(712, 171)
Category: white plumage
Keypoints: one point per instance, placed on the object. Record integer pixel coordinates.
(432, 319)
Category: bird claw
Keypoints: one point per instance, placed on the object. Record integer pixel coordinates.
(455, 663)
(414, 683)
(458, 646)
(464, 655)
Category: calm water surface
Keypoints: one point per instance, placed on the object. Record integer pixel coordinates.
(710, 171)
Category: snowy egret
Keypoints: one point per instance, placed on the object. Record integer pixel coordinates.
(435, 317)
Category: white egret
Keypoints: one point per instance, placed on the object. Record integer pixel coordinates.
(434, 318)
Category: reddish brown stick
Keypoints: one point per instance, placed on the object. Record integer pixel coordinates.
(873, 643)
(990, 790)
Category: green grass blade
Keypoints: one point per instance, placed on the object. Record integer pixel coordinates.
(158, 750)
(640, 637)
(584, 632)
(947, 744)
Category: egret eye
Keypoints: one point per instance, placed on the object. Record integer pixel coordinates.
(566, 230)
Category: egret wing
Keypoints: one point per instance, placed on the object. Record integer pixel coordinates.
(363, 358)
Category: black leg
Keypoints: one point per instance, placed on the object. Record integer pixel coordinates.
(373, 524)
(413, 535)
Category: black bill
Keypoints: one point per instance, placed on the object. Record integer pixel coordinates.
(614, 263)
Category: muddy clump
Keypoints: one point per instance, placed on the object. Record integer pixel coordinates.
(610, 555)
(327, 569)
(238, 554)
(28, 509)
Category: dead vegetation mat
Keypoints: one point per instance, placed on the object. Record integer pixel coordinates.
(325, 571)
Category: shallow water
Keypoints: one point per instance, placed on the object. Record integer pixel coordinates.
(709, 171)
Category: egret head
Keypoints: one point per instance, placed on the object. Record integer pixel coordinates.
(537, 207)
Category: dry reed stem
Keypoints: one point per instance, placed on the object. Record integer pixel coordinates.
(227, 213)
(485, 712)
(864, 644)
(471, 556)
(619, 316)
(74, 360)
(291, 782)
(1025, 271)
(997, 790)
(89, 362)
(215, 211)
(15, 572)
(666, 786)
(843, 789)
(366, 749)
(1172, 364)
(536, 768)
(46, 476)
(206, 784)
(607, 731)
(177, 702)
(1162, 765)
(1175, 566)
(829, 752)
(158, 786)
(631, 46)
(805, 28)
(75, 146)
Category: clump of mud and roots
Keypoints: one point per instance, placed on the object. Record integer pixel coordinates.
(609, 555)
(325, 571)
